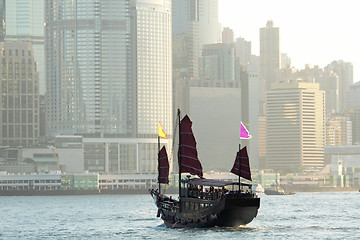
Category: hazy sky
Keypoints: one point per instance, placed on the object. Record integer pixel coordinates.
(311, 31)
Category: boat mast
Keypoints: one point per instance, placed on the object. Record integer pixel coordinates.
(179, 161)
(239, 165)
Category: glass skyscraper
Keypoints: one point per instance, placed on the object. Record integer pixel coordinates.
(88, 67)
(109, 78)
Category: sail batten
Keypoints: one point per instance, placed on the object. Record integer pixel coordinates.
(241, 165)
(187, 149)
(163, 166)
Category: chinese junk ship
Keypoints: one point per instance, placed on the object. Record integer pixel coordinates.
(204, 202)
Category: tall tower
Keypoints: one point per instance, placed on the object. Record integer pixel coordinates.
(270, 57)
(218, 63)
(344, 70)
(152, 63)
(295, 125)
(19, 91)
(195, 23)
(243, 50)
(24, 21)
(88, 67)
(110, 79)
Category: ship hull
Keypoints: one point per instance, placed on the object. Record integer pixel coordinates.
(226, 212)
(238, 212)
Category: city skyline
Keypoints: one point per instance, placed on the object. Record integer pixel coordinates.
(298, 28)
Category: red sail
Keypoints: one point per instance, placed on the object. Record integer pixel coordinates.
(244, 170)
(163, 166)
(189, 161)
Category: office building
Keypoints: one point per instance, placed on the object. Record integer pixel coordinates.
(270, 57)
(109, 77)
(218, 63)
(338, 130)
(194, 23)
(19, 89)
(87, 67)
(295, 125)
(243, 50)
(344, 70)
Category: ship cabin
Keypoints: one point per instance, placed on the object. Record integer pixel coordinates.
(211, 189)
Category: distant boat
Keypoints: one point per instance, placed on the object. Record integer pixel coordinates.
(276, 190)
(204, 202)
(257, 188)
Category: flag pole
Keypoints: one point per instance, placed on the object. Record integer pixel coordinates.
(159, 164)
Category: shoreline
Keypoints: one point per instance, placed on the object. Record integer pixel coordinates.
(74, 192)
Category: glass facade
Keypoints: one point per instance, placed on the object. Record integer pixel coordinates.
(87, 46)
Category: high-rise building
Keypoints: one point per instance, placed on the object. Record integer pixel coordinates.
(152, 63)
(24, 21)
(328, 81)
(344, 70)
(194, 23)
(295, 125)
(227, 35)
(354, 115)
(218, 63)
(338, 130)
(250, 110)
(19, 90)
(285, 61)
(270, 57)
(110, 79)
(88, 67)
(243, 50)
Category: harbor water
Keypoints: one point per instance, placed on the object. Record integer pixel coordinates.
(299, 216)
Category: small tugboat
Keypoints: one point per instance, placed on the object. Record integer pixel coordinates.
(204, 202)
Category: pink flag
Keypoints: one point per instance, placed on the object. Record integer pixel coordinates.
(244, 133)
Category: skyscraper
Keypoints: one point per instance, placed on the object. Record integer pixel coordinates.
(195, 23)
(88, 67)
(344, 70)
(24, 21)
(243, 50)
(295, 125)
(270, 57)
(110, 79)
(218, 63)
(151, 60)
(19, 91)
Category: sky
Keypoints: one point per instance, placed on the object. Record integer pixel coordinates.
(314, 32)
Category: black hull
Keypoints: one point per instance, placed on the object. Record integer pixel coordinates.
(238, 212)
(226, 212)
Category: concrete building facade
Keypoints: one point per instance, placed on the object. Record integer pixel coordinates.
(295, 125)
(270, 55)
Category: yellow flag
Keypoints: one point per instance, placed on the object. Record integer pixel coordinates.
(161, 132)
